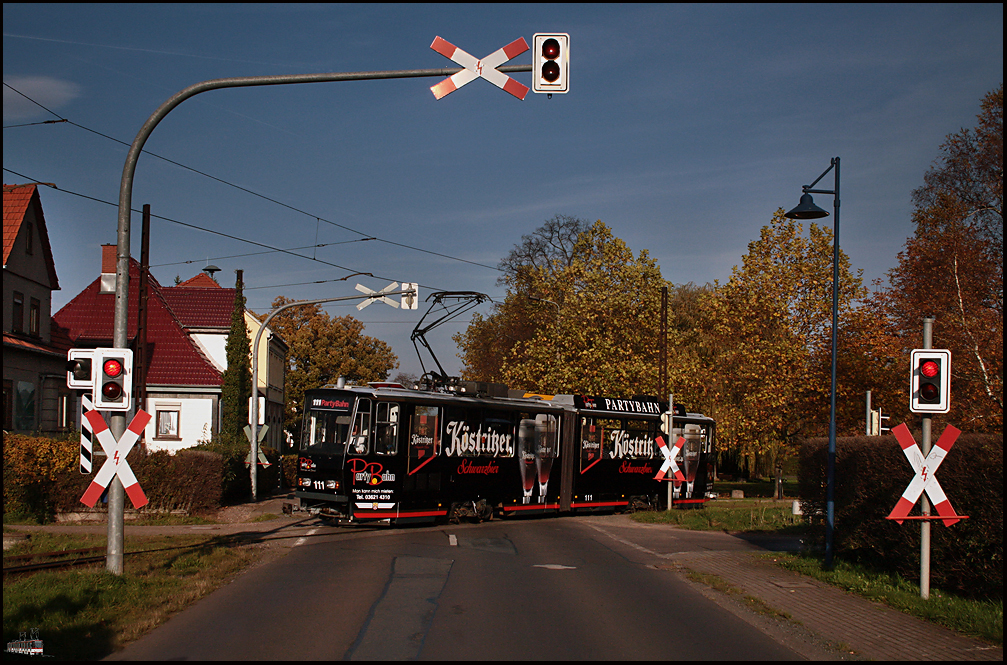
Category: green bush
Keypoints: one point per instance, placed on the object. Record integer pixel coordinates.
(871, 473)
(33, 468)
(236, 482)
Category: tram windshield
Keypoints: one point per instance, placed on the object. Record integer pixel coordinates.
(326, 432)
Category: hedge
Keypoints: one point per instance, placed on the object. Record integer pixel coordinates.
(871, 473)
(41, 478)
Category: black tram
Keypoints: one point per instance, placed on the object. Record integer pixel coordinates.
(382, 452)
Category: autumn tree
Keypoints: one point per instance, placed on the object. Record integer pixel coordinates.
(237, 380)
(323, 348)
(952, 269)
(581, 315)
(769, 345)
(489, 341)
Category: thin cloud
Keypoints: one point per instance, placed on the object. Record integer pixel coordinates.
(52, 93)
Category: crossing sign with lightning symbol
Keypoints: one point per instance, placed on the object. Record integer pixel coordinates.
(116, 464)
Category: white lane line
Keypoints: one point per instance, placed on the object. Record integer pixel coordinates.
(630, 543)
(303, 539)
(452, 540)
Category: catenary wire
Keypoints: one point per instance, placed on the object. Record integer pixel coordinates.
(248, 191)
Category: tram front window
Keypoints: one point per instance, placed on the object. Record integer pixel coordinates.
(326, 433)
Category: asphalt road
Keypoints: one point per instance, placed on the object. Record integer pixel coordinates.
(575, 588)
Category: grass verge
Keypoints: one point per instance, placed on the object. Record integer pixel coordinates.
(978, 618)
(88, 613)
(983, 619)
(731, 515)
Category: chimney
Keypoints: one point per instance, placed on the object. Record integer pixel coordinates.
(108, 253)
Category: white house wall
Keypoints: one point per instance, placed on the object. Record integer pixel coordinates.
(195, 418)
(214, 345)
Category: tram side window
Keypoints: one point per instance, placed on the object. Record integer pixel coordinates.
(386, 429)
(641, 436)
(424, 432)
(500, 424)
(590, 442)
(611, 431)
(360, 436)
(326, 432)
(546, 433)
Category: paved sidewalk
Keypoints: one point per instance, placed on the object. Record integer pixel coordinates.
(869, 630)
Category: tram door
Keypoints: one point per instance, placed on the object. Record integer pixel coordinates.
(422, 484)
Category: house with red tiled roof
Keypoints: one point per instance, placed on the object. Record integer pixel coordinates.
(186, 332)
(35, 395)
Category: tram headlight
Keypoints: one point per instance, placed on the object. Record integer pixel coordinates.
(304, 482)
(331, 484)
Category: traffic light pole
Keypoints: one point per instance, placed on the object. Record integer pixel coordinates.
(928, 322)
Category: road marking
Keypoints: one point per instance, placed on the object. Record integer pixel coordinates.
(554, 566)
(452, 540)
(303, 539)
(630, 543)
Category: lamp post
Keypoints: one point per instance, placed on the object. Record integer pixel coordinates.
(807, 209)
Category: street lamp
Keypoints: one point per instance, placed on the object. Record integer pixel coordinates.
(807, 209)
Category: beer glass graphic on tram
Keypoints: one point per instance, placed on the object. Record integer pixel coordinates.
(545, 439)
(690, 454)
(526, 455)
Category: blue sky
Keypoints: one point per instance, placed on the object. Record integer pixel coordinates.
(685, 128)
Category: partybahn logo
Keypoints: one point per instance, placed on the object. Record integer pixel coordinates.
(369, 473)
(320, 403)
(620, 405)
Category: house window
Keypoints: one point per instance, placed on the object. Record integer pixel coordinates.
(34, 317)
(167, 423)
(17, 322)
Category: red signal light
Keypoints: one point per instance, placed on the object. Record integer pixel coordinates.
(550, 49)
(929, 369)
(111, 390)
(112, 368)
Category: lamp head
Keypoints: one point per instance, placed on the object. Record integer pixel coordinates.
(806, 209)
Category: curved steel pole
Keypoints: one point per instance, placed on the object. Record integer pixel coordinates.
(117, 423)
(254, 417)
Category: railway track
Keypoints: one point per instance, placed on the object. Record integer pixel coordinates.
(24, 563)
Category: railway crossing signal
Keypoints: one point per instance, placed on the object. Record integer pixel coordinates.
(115, 462)
(551, 63)
(378, 295)
(925, 479)
(930, 381)
(485, 68)
(86, 435)
(669, 460)
(113, 369)
(80, 369)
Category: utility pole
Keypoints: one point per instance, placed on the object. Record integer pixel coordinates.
(928, 323)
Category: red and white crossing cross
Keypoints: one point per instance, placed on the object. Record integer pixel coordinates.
(115, 463)
(925, 480)
(485, 68)
(669, 460)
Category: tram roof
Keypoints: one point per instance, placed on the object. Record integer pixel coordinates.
(638, 406)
